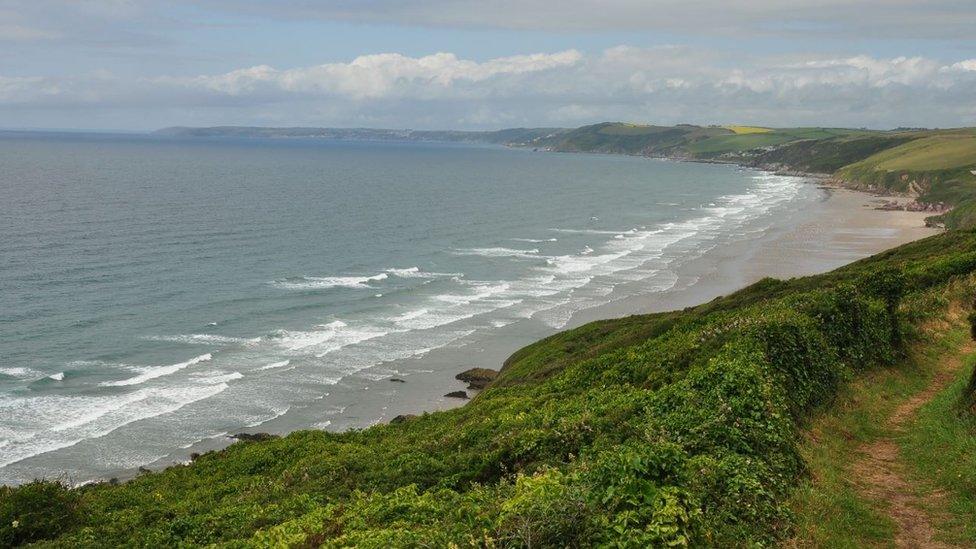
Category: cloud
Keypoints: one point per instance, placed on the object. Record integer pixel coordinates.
(663, 84)
(382, 76)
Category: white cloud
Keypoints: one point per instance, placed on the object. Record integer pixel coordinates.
(664, 84)
(383, 75)
(967, 65)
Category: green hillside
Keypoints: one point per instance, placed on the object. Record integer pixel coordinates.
(685, 140)
(937, 166)
(743, 142)
(620, 138)
(680, 428)
(938, 152)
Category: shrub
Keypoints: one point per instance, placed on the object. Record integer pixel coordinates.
(36, 511)
(969, 395)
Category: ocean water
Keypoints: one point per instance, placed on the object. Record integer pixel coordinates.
(155, 293)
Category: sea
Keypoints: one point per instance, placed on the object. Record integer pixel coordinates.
(160, 294)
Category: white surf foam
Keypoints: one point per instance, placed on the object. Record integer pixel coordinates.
(327, 282)
(274, 365)
(53, 422)
(499, 252)
(154, 372)
(326, 338)
(416, 272)
(206, 339)
(21, 372)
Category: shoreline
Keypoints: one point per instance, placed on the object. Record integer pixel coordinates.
(831, 226)
(841, 226)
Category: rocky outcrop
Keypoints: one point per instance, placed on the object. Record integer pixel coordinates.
(914, 206)
(477, 378)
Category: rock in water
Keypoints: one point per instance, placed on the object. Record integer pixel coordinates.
(457, 394)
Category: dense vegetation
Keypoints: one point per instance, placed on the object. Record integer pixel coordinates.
(679, 428)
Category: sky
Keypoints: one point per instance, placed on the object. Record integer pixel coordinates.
(486, 64)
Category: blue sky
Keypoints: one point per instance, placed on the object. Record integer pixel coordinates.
(135, 64)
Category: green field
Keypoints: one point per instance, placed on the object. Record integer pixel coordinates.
(632, 129)
(687, 140)
(938, 152)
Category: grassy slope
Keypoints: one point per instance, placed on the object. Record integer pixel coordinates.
(685, 140)
(929, 153)
(936, 163)
(830, 511)
(666, 428)
(744, 142)
(941, 450)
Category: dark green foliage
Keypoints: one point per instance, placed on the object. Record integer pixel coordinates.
(678, 428)
(962, 216)
(36, 511)
(969, 395)
(968, 401)
(619, 138)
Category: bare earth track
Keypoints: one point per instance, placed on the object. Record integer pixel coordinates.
(878, 473)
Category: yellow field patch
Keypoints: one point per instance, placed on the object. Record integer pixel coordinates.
(747, 129)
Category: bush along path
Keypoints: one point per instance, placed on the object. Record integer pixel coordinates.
(892, 459)
(879, 474)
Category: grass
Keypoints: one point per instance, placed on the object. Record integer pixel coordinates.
(941, 451)
(932, 153)
(824, 133)
(938, 152)
(829, 510)
(632, 129)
